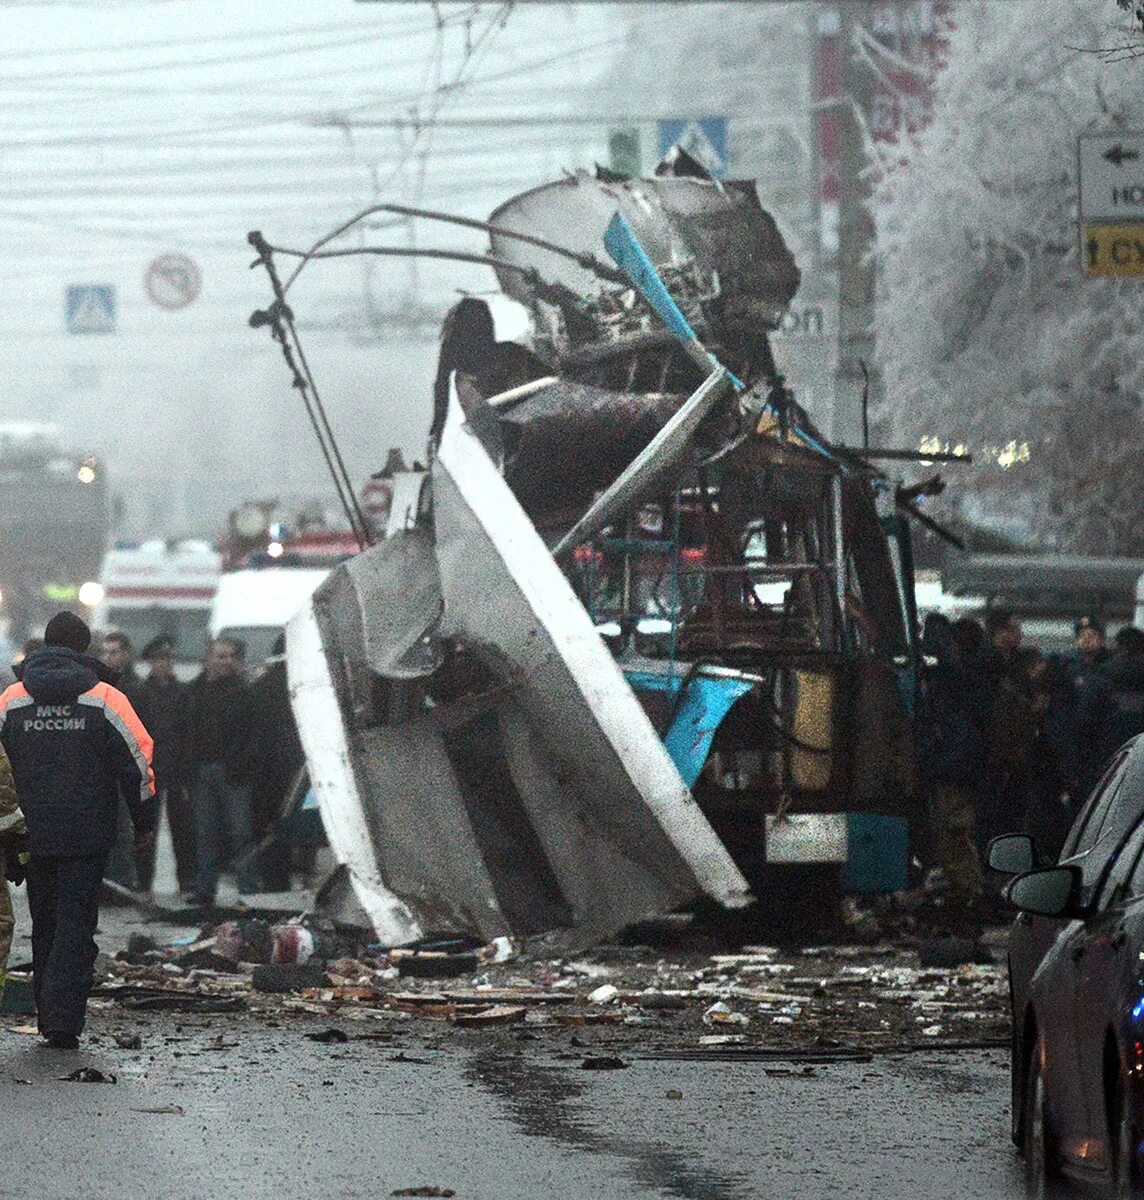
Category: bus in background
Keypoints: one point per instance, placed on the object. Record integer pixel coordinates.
(1049, 593)
(160, 589)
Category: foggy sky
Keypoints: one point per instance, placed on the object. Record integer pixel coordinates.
(133, 129)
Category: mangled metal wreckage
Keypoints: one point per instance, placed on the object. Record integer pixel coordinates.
(637, 635)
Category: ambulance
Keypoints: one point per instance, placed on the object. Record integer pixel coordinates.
(160, 588)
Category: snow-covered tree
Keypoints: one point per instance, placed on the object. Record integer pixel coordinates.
(989, 333)
(1135, 9)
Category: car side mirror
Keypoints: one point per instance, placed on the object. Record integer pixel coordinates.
(1013, 854)
(1048, 893)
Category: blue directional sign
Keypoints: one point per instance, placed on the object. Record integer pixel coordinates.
(90, 308)
(704, 138)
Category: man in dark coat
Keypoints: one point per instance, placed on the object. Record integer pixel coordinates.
(220, 722)
(117, 653)
(277, 758)
(952, 755)
(1125, 670)
(75, 744)
(1088, 669)
(166, 700)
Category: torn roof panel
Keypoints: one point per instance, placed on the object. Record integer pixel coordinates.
(721, 228)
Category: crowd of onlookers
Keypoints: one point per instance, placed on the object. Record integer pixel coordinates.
(226, 757)
(1012, 740)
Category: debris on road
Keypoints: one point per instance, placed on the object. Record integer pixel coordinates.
(675, 998)
(499, 1014)
(88, 1075)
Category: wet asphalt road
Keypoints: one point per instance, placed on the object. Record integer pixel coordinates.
(268, 1114)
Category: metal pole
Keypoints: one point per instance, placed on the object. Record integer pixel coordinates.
(856, 231)
(840, 562)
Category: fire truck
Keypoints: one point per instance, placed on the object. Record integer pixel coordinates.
(54, 525)
(274, 557)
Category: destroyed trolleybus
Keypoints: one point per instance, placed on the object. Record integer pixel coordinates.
(644, 635)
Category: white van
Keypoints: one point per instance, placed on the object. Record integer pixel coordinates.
(158, 589)
(253, 605)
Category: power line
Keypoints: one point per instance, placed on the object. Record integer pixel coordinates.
(197, 63)
(263, 34)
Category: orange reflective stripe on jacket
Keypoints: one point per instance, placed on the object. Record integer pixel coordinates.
(125, 719)
(14, 693)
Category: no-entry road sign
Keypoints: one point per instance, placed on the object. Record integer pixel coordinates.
(173, 281)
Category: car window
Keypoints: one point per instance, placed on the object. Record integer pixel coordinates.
(1086, 828)
(1136, 882)
(1125, 876)
(1124, 810)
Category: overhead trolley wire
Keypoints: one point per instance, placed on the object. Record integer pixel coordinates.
(196, 63)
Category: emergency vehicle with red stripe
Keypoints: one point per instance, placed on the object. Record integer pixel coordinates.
(160, 589)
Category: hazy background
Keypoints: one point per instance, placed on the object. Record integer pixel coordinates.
(138, 128)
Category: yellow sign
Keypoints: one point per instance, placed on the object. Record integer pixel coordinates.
(1113, 251)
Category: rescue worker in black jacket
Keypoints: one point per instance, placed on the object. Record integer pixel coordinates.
(75, 744)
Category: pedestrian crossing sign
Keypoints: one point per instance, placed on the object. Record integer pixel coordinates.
(90, 308)
(704, 138)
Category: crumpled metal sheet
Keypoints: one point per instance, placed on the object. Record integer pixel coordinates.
(541, 801)
(399, 597)
(325, 739)
(507, 601)
(564, 444)
(722, 227)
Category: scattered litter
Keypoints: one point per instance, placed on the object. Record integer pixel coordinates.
(440, 959)
(288, 977)
(424, 1191)
(604, 1063)
(163, 1110)
(291, 944)
(328, 1036)
(668, 1001)
(721, 1014)
(889, 997)
(26, 1082)
(498, 1014)
(806, 1072)
(88, 1075)
(499, 950)
(673, 1094)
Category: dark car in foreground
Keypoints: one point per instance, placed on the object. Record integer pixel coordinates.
(1076, 979)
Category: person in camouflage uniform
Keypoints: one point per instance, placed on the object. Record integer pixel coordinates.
(13, 836)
